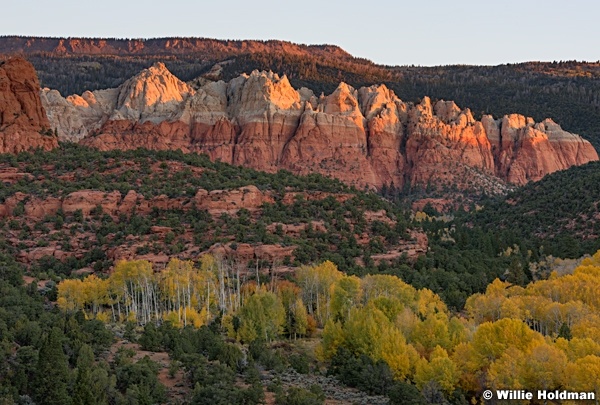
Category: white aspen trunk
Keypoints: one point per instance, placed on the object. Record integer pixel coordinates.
(178, 303)
(257, 276)
(136, 305)
(207, 300)
(185, 305)
(189, 293)
(139, 301)
(319, 309)
(225, 287)
(148, 301)
(238, 294)
(132, 303)
(222, 287)
(156, 308)
(127, 303)
(143, 301)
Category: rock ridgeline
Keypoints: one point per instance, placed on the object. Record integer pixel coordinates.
(23, 121)
(200, 47)
(365, 137)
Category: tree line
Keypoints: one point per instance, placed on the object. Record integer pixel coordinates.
(411, 333)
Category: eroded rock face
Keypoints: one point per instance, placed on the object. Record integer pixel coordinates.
(23, 121)
(153, 95)
(366, 137)
(215, 202)
(230, 201)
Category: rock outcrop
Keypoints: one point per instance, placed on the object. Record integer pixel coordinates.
(23, 121)
(366, 137)
(215, 202)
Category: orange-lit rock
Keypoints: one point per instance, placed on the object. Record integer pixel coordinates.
(23, 121)
(366, 137)
(87, 200)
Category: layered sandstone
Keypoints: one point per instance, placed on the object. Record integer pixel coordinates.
(23, 121)
(366, 137)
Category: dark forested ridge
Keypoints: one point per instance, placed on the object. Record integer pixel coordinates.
(567, 92)
(200, 47)
(74, 65)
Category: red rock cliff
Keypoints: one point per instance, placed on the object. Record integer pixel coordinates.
(22, 117)
(366, 137)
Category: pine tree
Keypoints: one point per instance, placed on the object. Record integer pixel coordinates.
(83, 394)
(52, 374)
(565, 332)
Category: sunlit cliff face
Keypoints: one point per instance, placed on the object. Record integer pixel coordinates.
(366, 137)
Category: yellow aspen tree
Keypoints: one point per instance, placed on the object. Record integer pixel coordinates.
(331, 340)
(178, 289)
(507, 371)
(288, 293)
(488, 307)
(491, 340)
(263, 313)
(431, 332)
(131, 284)
(583, 375)
(587, 328)
(96, 292)
(429, 303)
(405, 321)
(457, 329)
(390, 306)
(363, 329)
(368, 331)
(301, 321)
(207, 282)
(394, 351)
(71, 295)
(380, 285)
(512, 308)
(577, 348)
(315, 283)
(544, 367)
(345, 294)
(470, 367)
(440, 368)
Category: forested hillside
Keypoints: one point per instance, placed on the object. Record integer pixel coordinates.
(557, 215)
(157, 277)
(77, 208)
